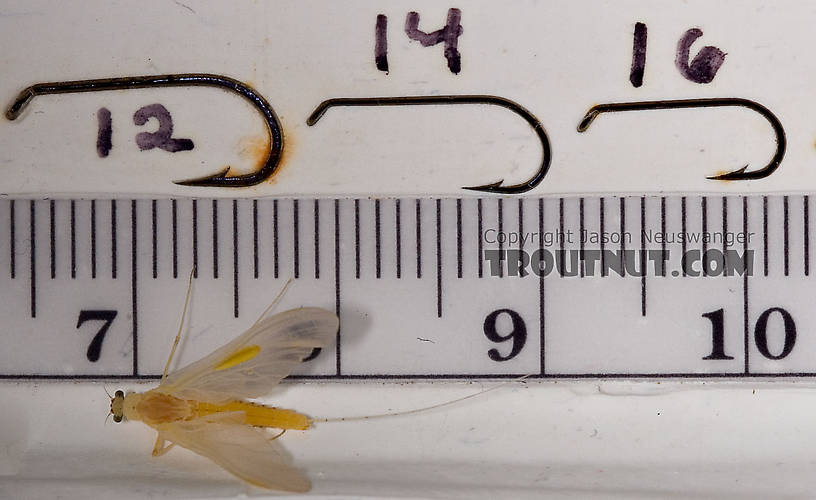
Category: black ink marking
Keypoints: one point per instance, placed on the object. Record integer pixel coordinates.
(449, 35)
(745, 286)
(581, 250)
(381, 43)
(663, 231)
(104, 143)
(561, 250)
(500, 218)
(706, 63)
(638, 55)
(724, 231)
(622, 229)
(161, 138)
(601, 216)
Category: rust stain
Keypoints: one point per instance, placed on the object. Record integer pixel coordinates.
(255, 149)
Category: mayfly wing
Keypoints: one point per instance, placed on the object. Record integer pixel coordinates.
(242, 450)
(252, 364)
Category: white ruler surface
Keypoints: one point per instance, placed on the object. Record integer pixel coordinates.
(425, 288)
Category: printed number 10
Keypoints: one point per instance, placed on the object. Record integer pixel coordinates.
(760, 334)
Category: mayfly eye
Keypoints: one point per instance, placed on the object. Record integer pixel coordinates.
(119, 394)
(117, 418)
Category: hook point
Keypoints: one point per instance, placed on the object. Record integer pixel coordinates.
(735, 175)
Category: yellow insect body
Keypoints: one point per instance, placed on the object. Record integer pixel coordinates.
(203, 407)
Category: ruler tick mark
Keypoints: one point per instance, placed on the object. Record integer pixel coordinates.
(663, 232)
(418, 239)
(704, 210)
(683, 231)
(479, 236)
(235, 294)
(155, 236)
(765, 234)
(541, 315)
(459, 238)
(255, 238)
(806, 230)
(275, 238)
(195, 238)
(622, 232)
(73, 239)
(357, 238)
(52, 209)
(337, 283)
(521, 234)
(745, 316)
(377, 242)
(174, 214)
(114, 256)
(93, 239)
(725, 232)
(134, 268)
(12, 242)
(601, 216)
(32, 227)
(215, 238)
(500, 218)
(581, 235)
(317, 239)
(643, 256)
(438, 258)
(786, 235)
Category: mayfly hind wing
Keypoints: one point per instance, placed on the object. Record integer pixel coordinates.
(242, 450)
(253, 363)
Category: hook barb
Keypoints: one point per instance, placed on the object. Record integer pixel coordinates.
(220, 179)
(739, 174)
(497, 187)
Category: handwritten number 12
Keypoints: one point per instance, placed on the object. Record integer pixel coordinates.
(162, 138)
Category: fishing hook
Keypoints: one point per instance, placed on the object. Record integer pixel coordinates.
(736, 175)
(495, 187)
(178, 80)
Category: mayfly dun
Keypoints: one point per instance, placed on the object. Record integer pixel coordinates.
(203, 406)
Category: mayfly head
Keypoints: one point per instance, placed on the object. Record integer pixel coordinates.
(117, 407)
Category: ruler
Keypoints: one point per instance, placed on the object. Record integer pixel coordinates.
(424, 287)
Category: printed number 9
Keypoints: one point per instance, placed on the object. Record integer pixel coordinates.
(518, 334)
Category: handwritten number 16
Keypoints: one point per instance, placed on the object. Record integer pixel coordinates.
(162, 138)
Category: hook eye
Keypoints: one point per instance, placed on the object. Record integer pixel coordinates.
(739, 174)
(436, 100)
(220, 179)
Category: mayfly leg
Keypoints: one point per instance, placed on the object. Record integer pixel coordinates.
(181, 325)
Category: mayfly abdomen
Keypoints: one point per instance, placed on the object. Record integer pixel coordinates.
(259, 415)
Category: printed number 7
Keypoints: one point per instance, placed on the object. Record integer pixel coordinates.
(95, 347)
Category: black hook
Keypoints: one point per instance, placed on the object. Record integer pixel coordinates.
(736, 175)
(179, 80)
(495, 187)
